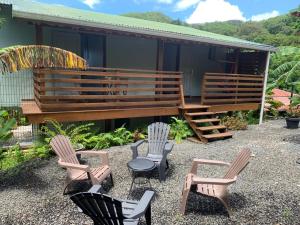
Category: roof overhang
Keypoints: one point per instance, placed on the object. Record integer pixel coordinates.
(43, 17)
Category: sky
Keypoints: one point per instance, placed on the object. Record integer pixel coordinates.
(191, 11)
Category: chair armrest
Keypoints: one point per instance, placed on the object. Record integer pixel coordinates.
(134, 148)
(85, 168)
(197, 162)
(142, 206)
(97, 188)
(168, 147)
(211, 162)
(221, 181)
(103, 155)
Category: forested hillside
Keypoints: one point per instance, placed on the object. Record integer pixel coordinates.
(281, 31)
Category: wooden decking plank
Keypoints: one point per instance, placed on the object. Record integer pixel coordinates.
(206, 120)
(219, 135)
(200, 113)
(195, 106)
(211, 128)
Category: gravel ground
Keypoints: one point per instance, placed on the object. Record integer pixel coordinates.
(267, 191)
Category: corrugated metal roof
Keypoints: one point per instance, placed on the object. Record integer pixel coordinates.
(60, 14)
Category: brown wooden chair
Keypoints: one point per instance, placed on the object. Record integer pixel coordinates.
(76, 171)
(214, 187)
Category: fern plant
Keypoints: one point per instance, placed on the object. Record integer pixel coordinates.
(120, 136)
(77, 134)
(180, 130)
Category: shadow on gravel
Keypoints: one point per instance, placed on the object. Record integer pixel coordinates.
(24, 176)
(292, 139)
(204, 205)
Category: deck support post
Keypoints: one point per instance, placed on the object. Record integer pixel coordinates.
(264, 89)
(39, 34)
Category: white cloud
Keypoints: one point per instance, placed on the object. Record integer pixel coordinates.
(91, 3)
(265, 16)
(215, 10)
(165, 1)
(185, 4)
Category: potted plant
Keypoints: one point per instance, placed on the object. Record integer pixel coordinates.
(292, 121)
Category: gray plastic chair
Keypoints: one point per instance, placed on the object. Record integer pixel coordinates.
(158, 147)
(105, 210)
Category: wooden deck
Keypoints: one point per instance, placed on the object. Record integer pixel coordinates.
(34, 114)
(105, 88)
(105, 93)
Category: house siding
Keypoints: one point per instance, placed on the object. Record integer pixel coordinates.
(16, 86)
(194, 63)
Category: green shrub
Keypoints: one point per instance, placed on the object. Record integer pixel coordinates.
(16, 112)
(180, 129)
(252, 116)
(77, 134)
(275, 103)
(139, 134)
(295, 101)
(6, 126)
(13, 157)
(39, 150)
(120, 136)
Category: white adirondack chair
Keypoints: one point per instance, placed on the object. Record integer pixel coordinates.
(158, 147)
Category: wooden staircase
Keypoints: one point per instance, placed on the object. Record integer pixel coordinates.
(205, 124)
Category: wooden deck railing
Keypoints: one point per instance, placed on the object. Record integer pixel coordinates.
(105, 88)
(221, 88)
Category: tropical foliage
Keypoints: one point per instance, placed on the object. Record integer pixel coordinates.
(285, 69)
(180, 129)
(6, 126)
(17, 58)
(77, 134)
(120, 136)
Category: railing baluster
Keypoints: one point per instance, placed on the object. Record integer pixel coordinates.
(110, 91)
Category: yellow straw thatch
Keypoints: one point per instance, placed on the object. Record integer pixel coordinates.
(17, 58)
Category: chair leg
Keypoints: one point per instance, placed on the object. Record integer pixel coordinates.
(185, 193)
(167, 164)
(184, 197)
(224, 201)
(68, 181)
(162, 173)
(111, 179)
(148, 215)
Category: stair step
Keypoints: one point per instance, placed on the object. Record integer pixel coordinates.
(206, 120)
(219, 135)
(200, 114)
(195, 107)
(211, 128)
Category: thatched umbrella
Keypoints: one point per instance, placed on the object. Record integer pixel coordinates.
(17, 58)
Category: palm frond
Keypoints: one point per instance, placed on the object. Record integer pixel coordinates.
(17, 58)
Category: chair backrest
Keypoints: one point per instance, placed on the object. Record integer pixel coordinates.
(157, 137)
(64, 149)
(102, 209)
(238, 164)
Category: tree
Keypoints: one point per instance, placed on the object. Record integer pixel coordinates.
(152, 16)
(285, 69)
